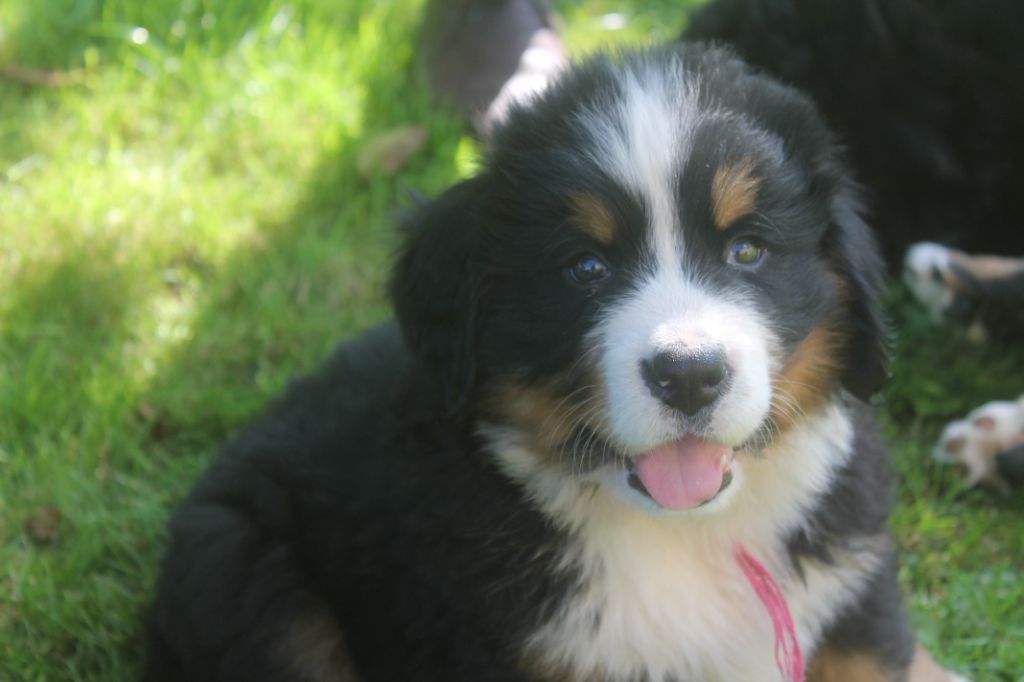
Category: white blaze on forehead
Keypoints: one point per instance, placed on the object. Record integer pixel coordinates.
(640, 139)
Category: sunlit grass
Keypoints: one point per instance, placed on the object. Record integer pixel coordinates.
(182, 229)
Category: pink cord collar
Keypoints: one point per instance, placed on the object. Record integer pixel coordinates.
(788, 657)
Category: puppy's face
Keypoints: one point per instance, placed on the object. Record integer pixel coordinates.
(660, 269)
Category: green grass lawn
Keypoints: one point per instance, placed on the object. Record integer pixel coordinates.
(182, 229)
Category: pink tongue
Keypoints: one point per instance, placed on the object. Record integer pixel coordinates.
(683, 474)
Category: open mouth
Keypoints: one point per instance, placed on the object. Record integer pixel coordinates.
(683, 474)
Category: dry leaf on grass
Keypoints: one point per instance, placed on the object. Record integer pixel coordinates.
(389, 152)
(43, 525)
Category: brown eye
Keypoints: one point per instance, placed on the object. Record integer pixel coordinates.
(745, 253)
(588, 270)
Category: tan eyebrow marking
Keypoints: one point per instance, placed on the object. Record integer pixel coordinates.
(733, 192)
(592, 216)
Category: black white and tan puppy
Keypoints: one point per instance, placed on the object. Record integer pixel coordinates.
(639, 339)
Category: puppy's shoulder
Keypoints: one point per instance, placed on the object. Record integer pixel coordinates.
(857, 505)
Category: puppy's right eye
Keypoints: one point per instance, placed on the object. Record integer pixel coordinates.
(745, 253)
(588, 271)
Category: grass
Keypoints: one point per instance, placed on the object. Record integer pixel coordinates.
(181, 230)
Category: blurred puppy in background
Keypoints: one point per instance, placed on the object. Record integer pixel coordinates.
(925, 94)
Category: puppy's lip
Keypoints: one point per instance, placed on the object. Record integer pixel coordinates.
(603, 451)
(634, 482)
(685, 474)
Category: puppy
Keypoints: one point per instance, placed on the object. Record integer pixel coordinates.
(621, 412)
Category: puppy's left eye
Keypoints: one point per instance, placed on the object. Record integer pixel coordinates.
(745, 253)
(588, 270)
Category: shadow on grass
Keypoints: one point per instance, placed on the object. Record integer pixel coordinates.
(61, 319)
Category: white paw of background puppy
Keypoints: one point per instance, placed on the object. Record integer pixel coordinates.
(975, 441)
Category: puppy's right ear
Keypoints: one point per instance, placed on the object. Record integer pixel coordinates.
(436, 285)
(859, 265)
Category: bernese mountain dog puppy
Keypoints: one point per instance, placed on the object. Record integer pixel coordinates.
(630, 363)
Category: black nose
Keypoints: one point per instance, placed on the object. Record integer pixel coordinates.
(686, 380)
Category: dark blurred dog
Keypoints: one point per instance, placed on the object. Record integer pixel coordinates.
(984, 293)
(926, 94)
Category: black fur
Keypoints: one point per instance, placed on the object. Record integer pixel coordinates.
(1010, 466)
(889, 639)
(436, 290)
(858, 263)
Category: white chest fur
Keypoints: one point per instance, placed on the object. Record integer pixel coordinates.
(664, 599)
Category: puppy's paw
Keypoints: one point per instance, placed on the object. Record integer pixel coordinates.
(973, 443)
(924, 668)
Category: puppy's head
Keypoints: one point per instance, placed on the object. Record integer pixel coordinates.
(661, 266)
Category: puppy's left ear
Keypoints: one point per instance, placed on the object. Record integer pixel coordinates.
(435, 287)
(860, 268)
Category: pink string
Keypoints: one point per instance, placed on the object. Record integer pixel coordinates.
(788, 657)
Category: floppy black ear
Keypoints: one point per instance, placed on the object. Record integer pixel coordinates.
(860, 267)
(435, 286)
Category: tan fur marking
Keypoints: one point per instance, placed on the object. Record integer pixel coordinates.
(924, 668)
(984, 268)
(831, 665)
(590, 215)
(733, 192)
(537, 669)
(806, 378)
(314, 649)
(547, 415)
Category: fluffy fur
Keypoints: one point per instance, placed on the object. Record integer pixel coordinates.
(924, 93)
(457, 497)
